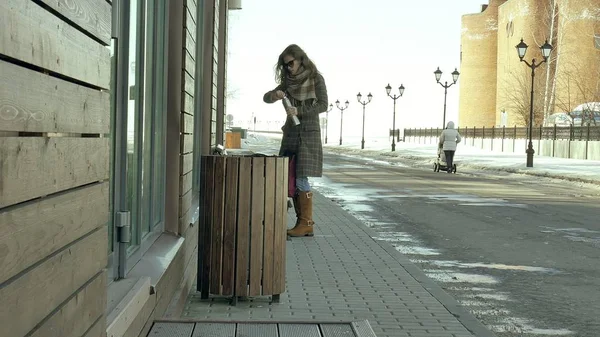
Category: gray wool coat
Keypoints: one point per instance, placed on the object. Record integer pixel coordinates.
(304, 140)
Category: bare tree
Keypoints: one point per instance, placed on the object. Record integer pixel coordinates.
(517, 96)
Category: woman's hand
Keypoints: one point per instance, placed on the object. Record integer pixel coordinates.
(279, 95)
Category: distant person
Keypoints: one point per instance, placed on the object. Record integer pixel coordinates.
(448, 140)
(299, 80)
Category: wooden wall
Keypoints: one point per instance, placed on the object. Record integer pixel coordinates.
(54, 166)
(187, 114)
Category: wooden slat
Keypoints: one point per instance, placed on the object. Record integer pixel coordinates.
(91, 15)
(79, 313)
(124, 314)
(269, 227)
(337, 330)
(187, 163)
(98, 329)
(191, 7)
(33, 35)
(280, 225)
(190, 25)
(186, 143)
(204, 235)
(256, 225)
(257, 330)
(35, 230)
(229, 226)
(185, 183)
(189, 64)
(214, 330)
(190, 45)
(30, 298)
(168, 329)
(34, 102)
(300, 330)
(187, 123)
(243, 227)
(188, 83)
(33, 167)
(217, 229)
(188, 105)
(185, 203)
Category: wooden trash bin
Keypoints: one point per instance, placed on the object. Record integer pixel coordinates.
(243, 222)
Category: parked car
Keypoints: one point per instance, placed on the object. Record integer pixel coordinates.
(586, 113)
(560, 119)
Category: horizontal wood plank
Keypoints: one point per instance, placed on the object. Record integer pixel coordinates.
(190, 24)
(185, 203)
(35, 230)
(188, 104)
(79, 314)
(186, 143)
(99, 328)
(188, 83)
(37, 166)
(93, 16)
(190, 45)
(34, 102)
(191, 7)
(33, 35)
(189, 64)
(187, 163)
(187, 123)
(185, 183)
(30, 298)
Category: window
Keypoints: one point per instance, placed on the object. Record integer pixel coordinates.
(144, 152)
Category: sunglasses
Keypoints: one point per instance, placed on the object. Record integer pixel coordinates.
(289, 64)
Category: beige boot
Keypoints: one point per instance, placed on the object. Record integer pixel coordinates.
(305, 223)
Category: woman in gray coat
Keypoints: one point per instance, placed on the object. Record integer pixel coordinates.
(448, 140)
(300, 81)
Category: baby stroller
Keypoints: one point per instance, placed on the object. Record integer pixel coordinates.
(440, 162)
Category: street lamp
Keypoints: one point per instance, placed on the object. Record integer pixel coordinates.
(337, 103)
(521, 50)
(327, 121)
(438, 76)
(364, 103)
(388, 89)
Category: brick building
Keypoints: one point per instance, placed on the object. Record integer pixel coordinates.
(495, 85)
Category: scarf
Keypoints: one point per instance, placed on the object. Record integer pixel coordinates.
(301, 86)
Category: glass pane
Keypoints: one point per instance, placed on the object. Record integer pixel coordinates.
(158, 166)
(133, 126)
(111, 207)
(147, 119)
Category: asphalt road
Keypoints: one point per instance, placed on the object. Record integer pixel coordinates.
(521, 253)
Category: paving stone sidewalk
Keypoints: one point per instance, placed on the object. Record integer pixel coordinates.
(343, 274)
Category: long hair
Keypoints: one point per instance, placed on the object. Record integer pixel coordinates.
(298, 54)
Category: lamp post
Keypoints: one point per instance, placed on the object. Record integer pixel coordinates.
(364, 103)
(438, 76)
(337, 103)
(327, 121)
(388, 89)
(546, 49)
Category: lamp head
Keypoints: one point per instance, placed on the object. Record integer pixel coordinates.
(546, 50)
(438, 74)
(521, 49)
(455, 75)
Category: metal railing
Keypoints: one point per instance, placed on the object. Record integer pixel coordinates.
(582, 133)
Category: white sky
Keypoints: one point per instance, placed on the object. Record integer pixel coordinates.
(357, 46)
